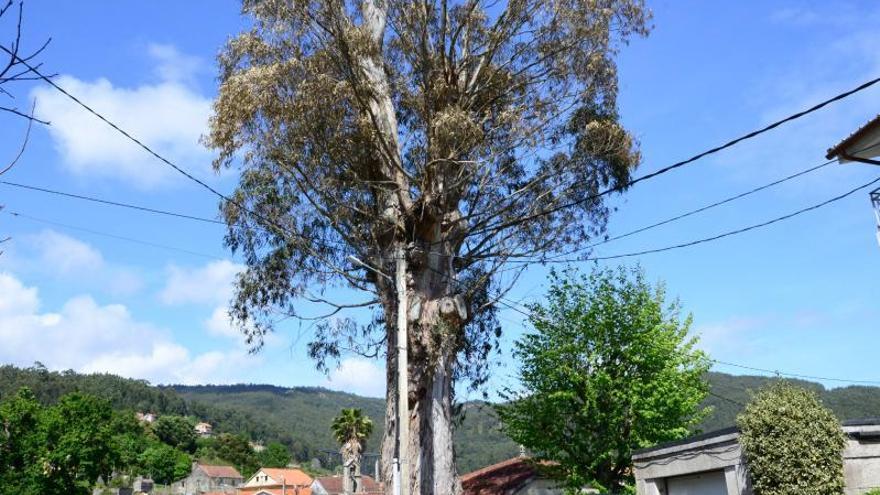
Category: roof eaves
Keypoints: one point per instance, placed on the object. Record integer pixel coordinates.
(684, 441)
(841, 147)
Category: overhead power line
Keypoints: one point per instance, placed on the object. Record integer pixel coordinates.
(713, 205)
(796, 375)
(727, 399)
(656, 173)
(681, 163)
(708, 239)
(304, 243)
(93, 199)
(17, 214)
(701, 209)
(554, 259)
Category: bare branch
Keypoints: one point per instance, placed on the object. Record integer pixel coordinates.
(24, 142)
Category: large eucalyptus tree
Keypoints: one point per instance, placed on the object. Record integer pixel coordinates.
(466, 137)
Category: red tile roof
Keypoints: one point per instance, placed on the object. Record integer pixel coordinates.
(290, 476)
(294, 490)
(499, 479)
(220, 471)
(333, 484)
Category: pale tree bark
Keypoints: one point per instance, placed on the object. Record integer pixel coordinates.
(435, 315)
(435, 319)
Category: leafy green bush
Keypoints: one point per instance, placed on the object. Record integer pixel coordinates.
(792, 443)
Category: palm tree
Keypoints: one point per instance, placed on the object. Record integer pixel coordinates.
(351, 429)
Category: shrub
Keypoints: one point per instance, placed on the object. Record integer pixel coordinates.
(792, 443)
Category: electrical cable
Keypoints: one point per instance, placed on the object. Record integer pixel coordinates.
(553, 259)
(304, 243)
(703, 154)
(797, 375)
(630, 183)
(713, 205)
(17, 214)
(711, 238)
(112, 203)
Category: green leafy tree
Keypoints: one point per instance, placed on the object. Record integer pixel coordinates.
(609, 368)
(450, 135)
(236, 450)
(275, 456)
(128, 441)
(60, 449)
(78, 443)
(176, 431)
(164, 463)
(21, 444)
(792, 443)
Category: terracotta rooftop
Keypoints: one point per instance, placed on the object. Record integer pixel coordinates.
(333, 485)
(499, 479)
(220, 471)
(841, 147)
(290, 476)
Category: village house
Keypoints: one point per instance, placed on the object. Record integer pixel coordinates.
(204, 429)
(277, 481)
(517, 476)
(333, 485)
(206, 478)
(146, 417)
(142, 486)
(713, 463)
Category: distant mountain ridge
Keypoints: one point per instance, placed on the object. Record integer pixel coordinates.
(300, 417)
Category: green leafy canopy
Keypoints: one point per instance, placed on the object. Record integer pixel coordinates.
(609, 368)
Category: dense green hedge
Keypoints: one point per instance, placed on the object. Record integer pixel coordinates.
(793, 444)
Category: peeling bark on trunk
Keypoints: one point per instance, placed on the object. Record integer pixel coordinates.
(435, 315)
(432, 352)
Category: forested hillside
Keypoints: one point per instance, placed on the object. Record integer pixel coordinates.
(300, 418)
(851, 402)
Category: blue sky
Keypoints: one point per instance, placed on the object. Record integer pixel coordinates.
(794, 297)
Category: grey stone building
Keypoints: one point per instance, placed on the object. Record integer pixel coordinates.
(713, 464)
(206, 478)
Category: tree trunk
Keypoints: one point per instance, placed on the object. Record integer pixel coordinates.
(431, 431)
(435, 314)
(435, 321)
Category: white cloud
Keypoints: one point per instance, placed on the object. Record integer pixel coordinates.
(358, 376)
(169, 116)
(210, 284)
(171, 65)
(67, 254)
(17, 298)
(219, 324)
(60, 255)
(86, 336)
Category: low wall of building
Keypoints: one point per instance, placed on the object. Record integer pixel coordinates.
(721, 451)
(861, 457)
